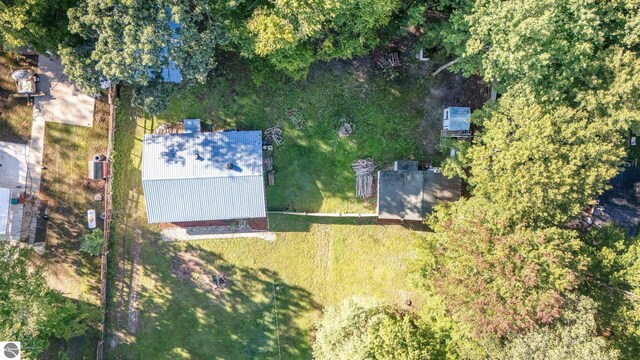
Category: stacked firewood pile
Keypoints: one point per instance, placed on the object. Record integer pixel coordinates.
(364, 177)
(274, 135)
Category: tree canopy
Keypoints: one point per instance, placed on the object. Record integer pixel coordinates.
(498, 284)
(132, 41)
(292, 34)
(573, 336)
(40, 24)
(32, 313)
(365, 329)
(539, 166)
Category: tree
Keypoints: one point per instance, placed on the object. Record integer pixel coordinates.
(292, 34)
(41, 24)
(497, 283)
(32, 313)
(573, 336)
(365, 329)
(92, 243)
(557, 49)
(132, 41)
(613, 281)
(539, 166)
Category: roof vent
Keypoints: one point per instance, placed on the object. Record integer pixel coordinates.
(229, 166)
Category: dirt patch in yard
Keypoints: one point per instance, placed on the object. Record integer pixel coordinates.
(186, 265)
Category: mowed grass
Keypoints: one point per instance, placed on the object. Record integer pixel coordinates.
(15, 114)
(67, 195)
(313, 166)
(276, 290)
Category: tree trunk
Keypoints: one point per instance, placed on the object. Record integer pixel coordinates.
(454, 61)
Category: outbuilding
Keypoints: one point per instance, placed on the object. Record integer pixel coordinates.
(204, 179)
(408, 193)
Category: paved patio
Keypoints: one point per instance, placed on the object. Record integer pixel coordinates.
(63, 101)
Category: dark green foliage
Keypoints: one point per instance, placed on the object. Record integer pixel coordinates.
(153, 98)
(613, 280)
(92, 243)
(40, 24)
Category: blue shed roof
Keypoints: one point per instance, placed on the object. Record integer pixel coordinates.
(459, 118)
(191, 125)
(185, 177)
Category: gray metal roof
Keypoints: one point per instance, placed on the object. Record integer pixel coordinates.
(412, 194)
(179, 186)
(459, 118)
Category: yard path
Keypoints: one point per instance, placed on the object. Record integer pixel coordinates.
(63, 102)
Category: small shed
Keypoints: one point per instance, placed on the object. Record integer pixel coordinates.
(456, 118)
(407, 193)
(191, 126)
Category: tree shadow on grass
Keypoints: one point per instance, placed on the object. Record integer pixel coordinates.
(184, 314)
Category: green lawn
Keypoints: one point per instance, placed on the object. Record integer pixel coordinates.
(276, 289)
(313, 166)
(67, 194)
(162, 303)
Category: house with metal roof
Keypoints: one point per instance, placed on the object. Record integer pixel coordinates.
(204, 179)
(407, 193)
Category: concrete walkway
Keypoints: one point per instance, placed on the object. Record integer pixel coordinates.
(213, 232)
(63, 103)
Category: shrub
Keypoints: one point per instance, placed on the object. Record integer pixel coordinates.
(92, 243)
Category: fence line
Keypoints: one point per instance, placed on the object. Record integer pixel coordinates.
(107, 224)
(344, 215)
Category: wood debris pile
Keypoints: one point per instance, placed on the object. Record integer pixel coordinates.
(364, 177)
(274, 135)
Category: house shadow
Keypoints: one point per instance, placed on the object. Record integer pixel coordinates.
(197, 304)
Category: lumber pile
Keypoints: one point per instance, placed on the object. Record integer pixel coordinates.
(274, 135)
(364, 177)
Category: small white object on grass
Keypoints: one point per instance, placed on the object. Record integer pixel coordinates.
(91, 219)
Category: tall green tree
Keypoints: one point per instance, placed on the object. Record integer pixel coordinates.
(539, 166)
(556, 49)
(292, 34)
(613, 280)
(573, 336)
(40, 24)
(366, 329)
(31, 312)
(497, 283)
(132, 41)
